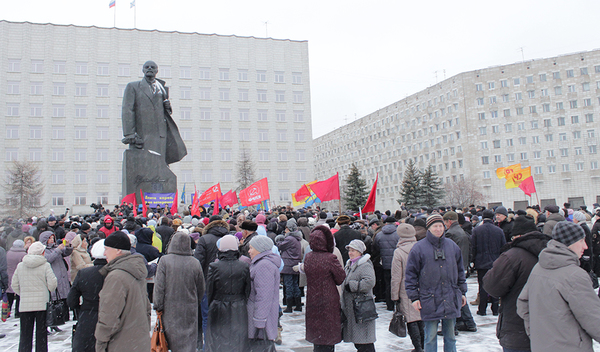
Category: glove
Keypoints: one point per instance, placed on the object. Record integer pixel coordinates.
(296, 268)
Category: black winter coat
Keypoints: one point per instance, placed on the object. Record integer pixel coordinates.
(144, 244)
(87, 284)
(385, 244)
(206, 248)
(486, 244)
(507, 228)
(343, 237)
(165, 233)
(228, 288)
(506, 280)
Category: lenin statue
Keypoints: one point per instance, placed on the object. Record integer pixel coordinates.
(152, 135)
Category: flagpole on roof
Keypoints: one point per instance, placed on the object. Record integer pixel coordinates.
(115, 15)
(134, 13)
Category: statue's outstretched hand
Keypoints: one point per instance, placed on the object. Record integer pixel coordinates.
(134, 139)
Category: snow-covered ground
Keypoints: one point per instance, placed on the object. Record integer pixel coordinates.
(484, 340)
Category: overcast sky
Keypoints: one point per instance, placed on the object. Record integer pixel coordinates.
(362, 56)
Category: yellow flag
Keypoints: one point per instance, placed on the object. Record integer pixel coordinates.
(515, 178)
(502, 172)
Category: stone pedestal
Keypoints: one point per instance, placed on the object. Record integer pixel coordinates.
(148, 172)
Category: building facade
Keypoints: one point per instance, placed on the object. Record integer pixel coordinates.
(541, 113)
(61, 88)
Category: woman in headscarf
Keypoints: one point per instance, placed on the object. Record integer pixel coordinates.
(80, 258)
(227, 290)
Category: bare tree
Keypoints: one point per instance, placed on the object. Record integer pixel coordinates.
(463, 193)
(23, 190)
(245, 170)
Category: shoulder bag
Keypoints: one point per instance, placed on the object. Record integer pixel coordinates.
(398, 322)
(364, 307)
(56, 311)
(159, 341)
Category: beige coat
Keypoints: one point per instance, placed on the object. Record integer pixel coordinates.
(33, 281)
(397, 283)
(80, 258)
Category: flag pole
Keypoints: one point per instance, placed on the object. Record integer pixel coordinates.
(340, 193)
(134, 15)
(115, 16)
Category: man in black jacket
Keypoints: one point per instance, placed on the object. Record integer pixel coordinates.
(486, 245)
(345, 235)
(509, 275)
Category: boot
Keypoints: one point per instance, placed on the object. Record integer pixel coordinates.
(290, 305)
(475, 302)
(298, 303)
(278, 338)
(415, 336)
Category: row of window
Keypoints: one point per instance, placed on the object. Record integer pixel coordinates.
(564, 152)
(532, 109)
(543, 77)
(81, 155)
(185, 72)
(538, 170)
(536, 139)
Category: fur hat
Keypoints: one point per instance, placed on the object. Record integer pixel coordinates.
(451, 215)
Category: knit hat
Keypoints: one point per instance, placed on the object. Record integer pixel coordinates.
(187, 219)
(432, 219)
(36, 248)
(85, 226)
(228, 243)
(195, 236)
(357, 245)
(501, 210)
(18, 244)
(451, 215)
(488, 214)
(567, 232)
(260, 219)
(97, 251)
(579, 216)
(118, 240)
(261, 243)
(522, 225)
(291, 225)
(406, 230)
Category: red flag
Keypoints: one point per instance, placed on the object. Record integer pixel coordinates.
(370, 205)
(130, 198)
(174, 206)
(195, 206)
(216, 207)
(256, 193)
(229, 198)
(328, 189)
(528, 186)
(210, 194)
(302, 193)
(144, 206)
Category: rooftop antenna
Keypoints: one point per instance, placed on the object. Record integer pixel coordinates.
(522, 54)
(345, 119)
(444, 73)
(266, 29)
(435, 72)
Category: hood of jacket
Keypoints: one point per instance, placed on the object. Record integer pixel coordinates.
(144, 235)
(321, 239)
(296, 234)
(76, 242)
(388, 229)
(45, 236)
(403, 241)
(218, 228)
(533, 242)
(268, 256)
(180, 244)
(133, 264)
(557, 255)
(33, 261)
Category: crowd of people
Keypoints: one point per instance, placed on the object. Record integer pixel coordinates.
(215, 280)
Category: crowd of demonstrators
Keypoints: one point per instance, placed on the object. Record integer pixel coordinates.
(243, 257)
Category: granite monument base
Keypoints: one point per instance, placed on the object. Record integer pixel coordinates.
(146, 171)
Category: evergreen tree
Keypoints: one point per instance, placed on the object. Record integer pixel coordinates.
(23, 189)
(411, 190)
(245, 170)
(432, 190)
(356, 193)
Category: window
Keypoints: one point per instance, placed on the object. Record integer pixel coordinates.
(518, 96)
(565, 167)
(484, 145)
(124, 70)
(12, 109)
(534, 124)
(585, 86)
(299, 134)
(58, 199)
(13, 87)
(570, 73)
(571, 88)
(548, 137)
(243, 94)
(58, 155)
(186, 134)
(506, 112)
(296, 78)
(35, 132)
(561, 121)
(524, 156)
(594, 165)
(504, 83)
(263, 135)
(558, 90)
(578, 151)
(244, 134)
(242, 75)
(37, 66)
(244, 114)
(546, 107)
(261, 76)
(206, 155)
(280, 96)
(101, 176)
(264, 173)
(587, 102)
(551, 169)
(165, 71)
(509, 142)
(261, 95)
(102, 111)
(589, 117)
(102, 155)
(579, 166)
(494, 114)
(479, 87)
(573, 104)
(482, 115)
(517, 81)
(576, 134)
(223, 93)
(300, 155)
(225, 154)
(36, 88)
(486, 174)
(224, 74)
(204, 93)
(283, 174)
(519, 111)
(535, 139)
(227, 175)
(80, 132)
(550, 153)
(279, 77)
(542, 77)
(262, 115)
(547, 123)
(495, 129)
(263, 155)
(59, 88)
(574, 119)
(544, 92)
(103, 69)
(81, 89)
(485, 160)
(583, 70)
(562, 136)
(185, 72)
(206, 176)
(80, 155)
(58, 132)
(35, 154)
(204, 73)
(225, 114)
(280, 115)
(482, 131)
(510, 157)
(281, 135)
(480, 101)
(14, 65)
(58, 110)
(185, 113)
(564, 152)
(225, 134)
(591, 134)
(185, 92)
(491, 85)
(102, 90)
(204, 113)
(497, 158)
(531, 94)
(282, 155)
(533, 109)
(298, 97)
(505, 98)
(12, 132)
(537, 154)
(508, 127)
(522, 140)
(205, 134)
(80, 111)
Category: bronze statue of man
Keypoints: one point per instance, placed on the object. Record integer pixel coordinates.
(147, 121)
(153, 138)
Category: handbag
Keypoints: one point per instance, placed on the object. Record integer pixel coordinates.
(55, 311)
(159, 340)
(398, 322)
(364, 307)
(261, 345)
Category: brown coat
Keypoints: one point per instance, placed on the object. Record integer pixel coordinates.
(397, 283)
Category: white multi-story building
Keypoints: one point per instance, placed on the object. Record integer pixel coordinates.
(540, 113)
(61, 89)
